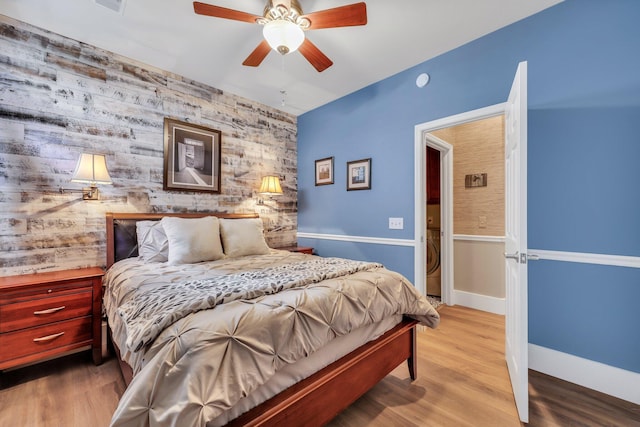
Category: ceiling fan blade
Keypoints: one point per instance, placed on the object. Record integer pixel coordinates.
(223, 12)
(257, 56)
(318, 59)
(343, 16)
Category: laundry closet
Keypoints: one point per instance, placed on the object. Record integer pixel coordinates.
(434, 283)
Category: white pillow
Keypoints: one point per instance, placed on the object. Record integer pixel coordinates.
(153, 245)
(193, 239)
(243, 237)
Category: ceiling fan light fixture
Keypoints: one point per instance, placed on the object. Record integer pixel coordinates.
(283, 36)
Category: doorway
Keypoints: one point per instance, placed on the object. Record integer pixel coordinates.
(432, 137)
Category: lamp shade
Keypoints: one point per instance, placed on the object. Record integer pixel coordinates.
(92, 168)
(270, 185)
(283, 36)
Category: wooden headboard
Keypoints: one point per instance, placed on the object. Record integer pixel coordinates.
(122, 241)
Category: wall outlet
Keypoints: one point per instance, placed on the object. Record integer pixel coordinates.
(482, 223)
(396, 223)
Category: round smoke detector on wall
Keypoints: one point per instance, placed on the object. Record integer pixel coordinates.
(422, 80)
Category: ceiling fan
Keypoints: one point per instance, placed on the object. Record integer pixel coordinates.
(285, 24)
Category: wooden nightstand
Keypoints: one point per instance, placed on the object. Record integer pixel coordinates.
(303, 249)
(47, 314)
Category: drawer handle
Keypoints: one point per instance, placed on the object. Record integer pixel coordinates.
(49, 310)
(48, 337)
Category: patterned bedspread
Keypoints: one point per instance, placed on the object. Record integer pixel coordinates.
(204, 363)
(148, 312)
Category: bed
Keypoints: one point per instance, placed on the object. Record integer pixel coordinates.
(283, 339)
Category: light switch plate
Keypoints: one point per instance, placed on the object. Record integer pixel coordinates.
(396, 223)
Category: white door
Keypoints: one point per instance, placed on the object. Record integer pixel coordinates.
(516, 340)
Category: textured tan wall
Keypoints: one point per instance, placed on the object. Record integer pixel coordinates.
(479, 267)
(478, 147)
(60, 97)
(446, 134)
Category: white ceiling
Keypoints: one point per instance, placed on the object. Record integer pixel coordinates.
(169, 35)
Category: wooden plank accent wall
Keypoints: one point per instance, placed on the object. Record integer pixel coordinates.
(478, 147)
(60, 97)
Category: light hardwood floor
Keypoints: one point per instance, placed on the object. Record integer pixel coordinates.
(462, 381)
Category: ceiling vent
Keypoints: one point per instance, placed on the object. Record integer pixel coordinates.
(115, 5)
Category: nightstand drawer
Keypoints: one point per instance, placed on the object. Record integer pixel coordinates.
(41, 311)
(61, 336)
(44, 290)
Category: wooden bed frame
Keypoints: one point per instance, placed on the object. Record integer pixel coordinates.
(315, 400)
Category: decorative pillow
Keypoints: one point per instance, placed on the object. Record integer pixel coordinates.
(243, 237)
(153, 245)
(193, 239)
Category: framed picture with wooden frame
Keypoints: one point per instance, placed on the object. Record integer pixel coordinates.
(359, 175)
(324, 171)
(191, 157)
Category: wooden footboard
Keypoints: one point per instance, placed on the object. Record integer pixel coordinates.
(317, 399)
(320, 397)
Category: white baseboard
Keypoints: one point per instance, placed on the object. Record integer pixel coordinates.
(479, 302)
(597, 376)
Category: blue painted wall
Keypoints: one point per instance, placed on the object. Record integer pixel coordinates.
(584, 163)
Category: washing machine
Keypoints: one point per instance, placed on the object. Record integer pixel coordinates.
(434, 283)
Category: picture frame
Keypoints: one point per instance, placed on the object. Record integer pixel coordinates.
(359, 175)
(324, 171)
(191, 157)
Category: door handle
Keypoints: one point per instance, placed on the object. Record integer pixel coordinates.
(515, 256)
(520, 257)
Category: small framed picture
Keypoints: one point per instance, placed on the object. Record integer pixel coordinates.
(359, 175)
(324, 171)
(191, 157)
